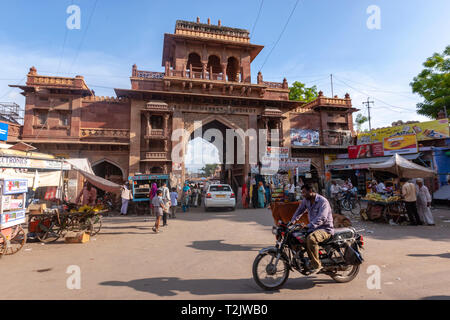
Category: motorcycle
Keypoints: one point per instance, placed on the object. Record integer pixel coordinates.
(339, 255)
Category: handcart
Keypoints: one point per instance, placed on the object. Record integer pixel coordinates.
(12, 215)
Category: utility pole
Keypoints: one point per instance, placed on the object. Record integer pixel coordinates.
(332, 94)
(368, 111)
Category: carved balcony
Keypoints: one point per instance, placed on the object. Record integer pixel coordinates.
(156, 134)
(156, 156)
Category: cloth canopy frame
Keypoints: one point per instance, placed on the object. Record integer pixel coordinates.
(403, 168)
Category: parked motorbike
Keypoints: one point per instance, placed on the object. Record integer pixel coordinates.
(340, 256)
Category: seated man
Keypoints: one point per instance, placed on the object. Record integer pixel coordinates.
(320, 227)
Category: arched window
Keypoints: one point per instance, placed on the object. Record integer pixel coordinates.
(195, 62)
(232, 69)
(214, 63)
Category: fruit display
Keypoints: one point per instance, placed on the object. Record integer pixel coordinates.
(380, 198)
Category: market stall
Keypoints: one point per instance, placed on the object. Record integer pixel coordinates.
(387, 205)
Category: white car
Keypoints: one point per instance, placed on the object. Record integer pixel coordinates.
(220, 196)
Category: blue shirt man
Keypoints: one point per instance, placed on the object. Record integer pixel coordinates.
(320, 225)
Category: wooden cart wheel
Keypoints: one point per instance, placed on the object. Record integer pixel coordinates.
(18, 239)
(49, 234)
(96, 224)
(2, 244)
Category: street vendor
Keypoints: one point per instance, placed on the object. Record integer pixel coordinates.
(89, 194)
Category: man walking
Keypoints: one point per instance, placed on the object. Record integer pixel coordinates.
(409, 198)
(320, 227)
(334, 190)
(126, 197)
(173, 202)
(424, 203)
(166, 199)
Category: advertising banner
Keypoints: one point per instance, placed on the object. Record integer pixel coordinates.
(365, 151)
(304, 137)
(400, 144)
(437, 129)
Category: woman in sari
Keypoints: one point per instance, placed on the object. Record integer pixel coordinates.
(153, 191)
(244, 196)
(261, 195)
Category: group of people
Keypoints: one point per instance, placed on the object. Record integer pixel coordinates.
(336, 190)
(260, 195)
(417, 201)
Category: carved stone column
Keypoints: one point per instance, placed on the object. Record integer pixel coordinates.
(224, 72)
(204, 65)
(148, 128)
(166, 125)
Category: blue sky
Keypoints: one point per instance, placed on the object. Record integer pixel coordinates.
(322, 37)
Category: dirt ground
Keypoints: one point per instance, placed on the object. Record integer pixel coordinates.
(209, 256)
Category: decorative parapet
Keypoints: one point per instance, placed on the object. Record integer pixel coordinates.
(38, 80)
(321, 100)
(219, 32)
(105, 99)
(104, 133)
(149, 74)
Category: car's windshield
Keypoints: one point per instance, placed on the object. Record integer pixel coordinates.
(219, 188)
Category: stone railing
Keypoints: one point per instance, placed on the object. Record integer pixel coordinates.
(104, 133)
(149, 74)
(154, 133)
(338, 138)
(324, 101)
(276, 85)
(159, 155)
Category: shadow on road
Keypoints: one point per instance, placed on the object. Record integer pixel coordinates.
(169, 286)
(437, 298)
(441, 255)
(218, 245)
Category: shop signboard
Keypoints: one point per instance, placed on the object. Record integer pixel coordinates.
(277, 152)
(303, 164)
(12, 218)
(12, 186)
(429, 130)
(365, 151)
(400, 144)
(304, 137)
(27, 163)
(3, 131)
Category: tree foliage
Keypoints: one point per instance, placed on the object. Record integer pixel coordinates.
(299, 92)
(209, 169)
(433, 84)
(360, 120)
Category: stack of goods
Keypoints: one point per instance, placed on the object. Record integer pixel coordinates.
(278, 195)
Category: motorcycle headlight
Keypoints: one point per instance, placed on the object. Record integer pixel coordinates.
(274, 230)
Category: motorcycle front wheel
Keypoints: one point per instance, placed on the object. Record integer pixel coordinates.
(266, 274)
(346, 275)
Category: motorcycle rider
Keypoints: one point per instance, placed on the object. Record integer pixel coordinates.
(320, 227)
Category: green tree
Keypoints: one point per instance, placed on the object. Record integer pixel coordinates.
(433, 84)
(360, 120)
(209, 169)
(299, 92)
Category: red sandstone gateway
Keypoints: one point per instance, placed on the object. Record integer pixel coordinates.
(205, 76)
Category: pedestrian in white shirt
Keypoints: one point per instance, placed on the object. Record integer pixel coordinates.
(166, 199)
(424, 203)
(126, 197)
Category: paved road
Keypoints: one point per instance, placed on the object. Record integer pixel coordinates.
(209, 256)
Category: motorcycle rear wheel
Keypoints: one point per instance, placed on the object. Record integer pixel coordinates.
(267, 285)
(350, 274)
